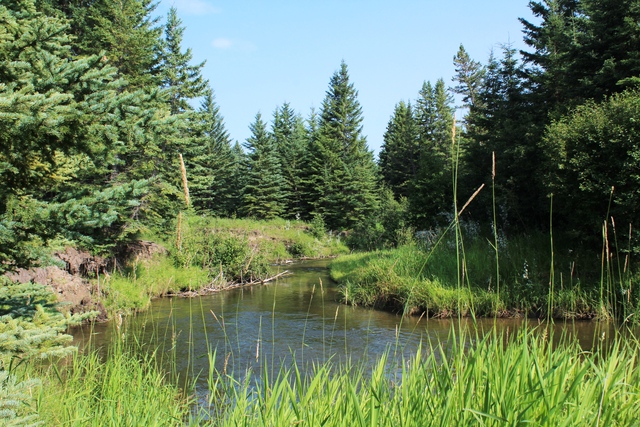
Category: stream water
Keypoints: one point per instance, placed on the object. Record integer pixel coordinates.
(296, 317)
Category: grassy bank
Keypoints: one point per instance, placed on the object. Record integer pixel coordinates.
(524, 277)
(213, 252)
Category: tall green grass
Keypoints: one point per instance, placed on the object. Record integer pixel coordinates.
(423, 279)
(496, 381)
(127, 387)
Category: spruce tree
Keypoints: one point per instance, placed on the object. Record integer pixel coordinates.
(64, 118)
(343, 170)
(181, 83)
(236, 180)
(290, 138)
(399, 155)
(209, 161)
(182, 80)
(469, 75)
(263, 195)
(503, 123)
(123, 32)
(430, 191)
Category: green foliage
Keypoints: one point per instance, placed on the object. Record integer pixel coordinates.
(64, 118)
(181, 80)
(469, 76)
(232, 256)
(385, 229)
(210, 161)
(501, 125)
(244, 247)
(291, 142)
(30, 325)
(430, 191)
(264, 191)
(132, 289)
(593, 158)
(341, 168)
(318, 227)
(123, 32)
(400, 152)
(516, 379)
(123, 389)
(16, 401)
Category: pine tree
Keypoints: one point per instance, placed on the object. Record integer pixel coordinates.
(63, 119)
(182, 80)
(343, 170)
(430, 191)
(399, 155)
(209, 161)
(469, 75)
(291, 143)
(263, 196)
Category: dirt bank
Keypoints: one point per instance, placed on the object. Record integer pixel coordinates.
(77, 284)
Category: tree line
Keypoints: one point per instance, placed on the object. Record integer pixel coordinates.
(97, 103)
(552, 129)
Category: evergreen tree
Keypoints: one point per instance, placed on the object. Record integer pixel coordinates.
(289, 135)
(502, 123)
(123, 32)
(182, 80)
(343, 170)
(263, 195)
(237, 179)
(609, 51)
(430, 191)
(181, 83)
(399, 155)
(582, 49)
(469, 75)
(63, 118)
(209, 161)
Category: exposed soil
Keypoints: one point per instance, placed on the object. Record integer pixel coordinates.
(72, 284)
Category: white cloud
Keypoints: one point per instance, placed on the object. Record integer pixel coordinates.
(222, 43)
(195, 7)
(228, 44)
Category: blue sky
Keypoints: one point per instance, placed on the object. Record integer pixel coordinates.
(261, 54)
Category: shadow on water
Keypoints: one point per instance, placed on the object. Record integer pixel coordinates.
(296, 318)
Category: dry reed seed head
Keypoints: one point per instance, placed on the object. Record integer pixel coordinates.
(493, 165)
(453, 130)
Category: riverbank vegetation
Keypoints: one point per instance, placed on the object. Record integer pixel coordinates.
(101, 145)
(518, 276)
(210, 254)
(495, 379)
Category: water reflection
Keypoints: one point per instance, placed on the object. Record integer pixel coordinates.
(296, 318)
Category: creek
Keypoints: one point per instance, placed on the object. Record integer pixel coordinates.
(296, 317)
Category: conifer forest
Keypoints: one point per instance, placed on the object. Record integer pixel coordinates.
(511, 191)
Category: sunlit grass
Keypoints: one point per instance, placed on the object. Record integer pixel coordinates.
(125, 388)
(494, 381)
(418, 279)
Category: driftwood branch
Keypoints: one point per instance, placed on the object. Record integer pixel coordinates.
(211, 288)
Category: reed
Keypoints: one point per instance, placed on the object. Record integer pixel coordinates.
(127, 387)
(500, 380)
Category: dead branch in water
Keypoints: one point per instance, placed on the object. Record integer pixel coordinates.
(209, 289)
